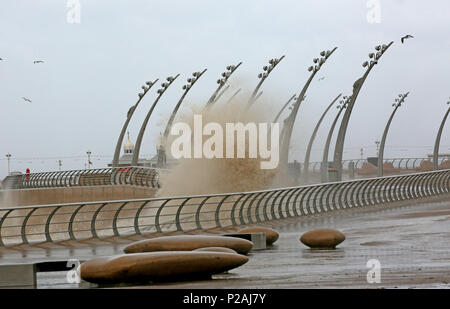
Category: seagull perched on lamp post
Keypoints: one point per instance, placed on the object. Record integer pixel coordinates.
(406, 37)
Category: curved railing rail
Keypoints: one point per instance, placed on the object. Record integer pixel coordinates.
(139, 176)
(147, 177)
(399, 163)
(128, 217)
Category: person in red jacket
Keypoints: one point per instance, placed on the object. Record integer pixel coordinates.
(27, 175)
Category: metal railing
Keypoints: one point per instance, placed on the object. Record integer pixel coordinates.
(144, 176)
(398, 163)
(138, 176)
(128, 217)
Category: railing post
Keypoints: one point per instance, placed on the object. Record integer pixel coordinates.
(394, 190)
(94, 218)
(72, 178)
(233, 219)
(298, 191)
(377, 190)
(414, 187)
(354, 194)
(286, 208)
(318, 196)
(136, 218)
(158, 215)
(48, 237)
(24, 226)
(363, 200)
(409, 191)
(177, 216)
(343, 205)
(304, 202)
(197, 214)
(2, 219)
(258, 218)
(217, 213)
(266, 203)
(384, 189)
(302, 199)
(249, 214)
(330, 189)
(272, 206)
(72, 218)
(241, 209)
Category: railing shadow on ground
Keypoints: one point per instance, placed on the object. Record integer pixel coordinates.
(100, 220)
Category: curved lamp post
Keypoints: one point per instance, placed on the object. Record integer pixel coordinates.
(290, 121)
(137, 148)
(262, 76)
(130, 113)
(191, 81)
(284, 107)
(221, 93)
(339, 148)
(222, 81)
(313, 136)
(438, 140)
(285, 121)
(258, 96)
(232, 97)
(398, 102)
(342, 105)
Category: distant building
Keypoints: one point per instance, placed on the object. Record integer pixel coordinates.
(160, 160)
(127, 157)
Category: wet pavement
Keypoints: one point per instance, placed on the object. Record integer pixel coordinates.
(410, 243)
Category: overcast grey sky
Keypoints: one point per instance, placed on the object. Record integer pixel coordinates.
(93, 70)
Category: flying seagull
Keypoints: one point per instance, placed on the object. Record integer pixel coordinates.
(38, 61)
(25, 99)
(1, 59)
(322, 78)
(406, 37)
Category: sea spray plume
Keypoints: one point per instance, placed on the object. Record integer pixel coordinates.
(220, 175)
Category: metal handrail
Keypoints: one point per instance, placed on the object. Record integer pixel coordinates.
(130, 175)
(408, 163)
(25, 224)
